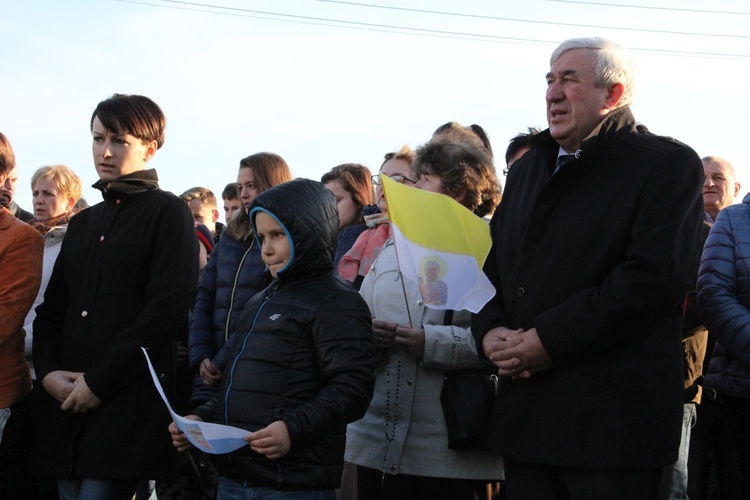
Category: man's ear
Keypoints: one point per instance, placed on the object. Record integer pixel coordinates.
(614, 95)
(736, 189)
(214, 215)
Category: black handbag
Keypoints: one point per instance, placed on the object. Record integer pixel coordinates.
(468, 397)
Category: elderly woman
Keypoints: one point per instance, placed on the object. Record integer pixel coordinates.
(55, 190)
(401, 445)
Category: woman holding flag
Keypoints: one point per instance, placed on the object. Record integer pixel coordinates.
(394, 458)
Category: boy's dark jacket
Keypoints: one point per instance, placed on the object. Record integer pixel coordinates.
(302, 352)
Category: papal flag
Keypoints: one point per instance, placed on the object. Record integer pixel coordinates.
(441, 245)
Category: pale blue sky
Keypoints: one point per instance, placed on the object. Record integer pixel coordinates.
(234, 82)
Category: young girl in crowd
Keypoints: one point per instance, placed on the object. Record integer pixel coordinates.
(355, 263)
(302, 358)
(125, 278)
(352, 186)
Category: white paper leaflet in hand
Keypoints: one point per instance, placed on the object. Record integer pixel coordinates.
(207, 437)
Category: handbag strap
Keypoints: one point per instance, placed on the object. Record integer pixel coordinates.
(448, 318)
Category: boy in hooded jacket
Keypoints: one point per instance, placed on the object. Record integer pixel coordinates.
(302, 357)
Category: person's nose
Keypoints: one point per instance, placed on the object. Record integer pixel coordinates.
(554, 92)
(708, 182)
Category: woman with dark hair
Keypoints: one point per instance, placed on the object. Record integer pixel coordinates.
(400, 447)
(455, 132)
(350, 183)
(232, 276)
(124, 279)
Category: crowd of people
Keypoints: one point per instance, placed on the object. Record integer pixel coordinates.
(618, 338)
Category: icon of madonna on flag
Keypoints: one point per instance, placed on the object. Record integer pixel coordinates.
(441, 245)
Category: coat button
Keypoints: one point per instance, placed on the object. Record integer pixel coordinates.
(420, 302)
(84, 314)
(393, 467)
(409, 382)
(101, 238)
(520, 292)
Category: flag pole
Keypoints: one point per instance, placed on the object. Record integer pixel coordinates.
(403, 285)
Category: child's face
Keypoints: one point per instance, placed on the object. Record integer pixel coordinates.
(230, 207)
(275, 250)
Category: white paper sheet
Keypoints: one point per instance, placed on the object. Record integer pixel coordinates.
(208, 437)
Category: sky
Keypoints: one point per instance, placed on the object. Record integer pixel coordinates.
(324, 82)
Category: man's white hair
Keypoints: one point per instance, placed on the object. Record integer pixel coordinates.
(613, 64)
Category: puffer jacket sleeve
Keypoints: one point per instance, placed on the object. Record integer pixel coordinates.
(346, 356)
(723, 293)
(201, 338)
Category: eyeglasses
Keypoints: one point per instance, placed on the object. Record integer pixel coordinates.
(396, 177)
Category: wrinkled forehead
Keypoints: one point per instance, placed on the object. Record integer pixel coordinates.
(718, 168)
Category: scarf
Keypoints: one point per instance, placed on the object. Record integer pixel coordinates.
(362, 255)
(46, 226)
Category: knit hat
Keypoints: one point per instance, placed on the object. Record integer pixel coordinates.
(204, 236)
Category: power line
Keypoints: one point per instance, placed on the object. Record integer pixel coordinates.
(531, 21)
(235, 11)
(675, 9)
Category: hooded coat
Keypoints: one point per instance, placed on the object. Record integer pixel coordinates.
(125, 279)
(302, 352)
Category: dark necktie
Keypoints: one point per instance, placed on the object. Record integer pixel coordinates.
(561, 161)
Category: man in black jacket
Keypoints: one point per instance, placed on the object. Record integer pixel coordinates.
(593, 247)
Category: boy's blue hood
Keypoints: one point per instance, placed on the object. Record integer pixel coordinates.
(308, 213)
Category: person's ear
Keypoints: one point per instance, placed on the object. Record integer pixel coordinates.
(71, 203)
(151, 148)
(736, 189)
(214, 215)
(614, 95)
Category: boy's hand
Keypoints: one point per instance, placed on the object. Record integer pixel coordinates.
(179, 440)
(272, 441)
(209, 373)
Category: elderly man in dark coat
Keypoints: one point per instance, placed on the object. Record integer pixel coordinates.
(592, 257)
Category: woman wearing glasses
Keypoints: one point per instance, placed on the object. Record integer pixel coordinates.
(400, 447)
(357, 261)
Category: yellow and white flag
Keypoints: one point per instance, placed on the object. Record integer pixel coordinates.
(441, 245)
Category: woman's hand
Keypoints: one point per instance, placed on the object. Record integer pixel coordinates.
(412, 339)
(272, 441)
(60, 383)
(179, 439)
(384, 333)
(81, 399)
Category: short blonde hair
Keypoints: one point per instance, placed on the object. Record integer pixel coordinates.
(64, 178)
